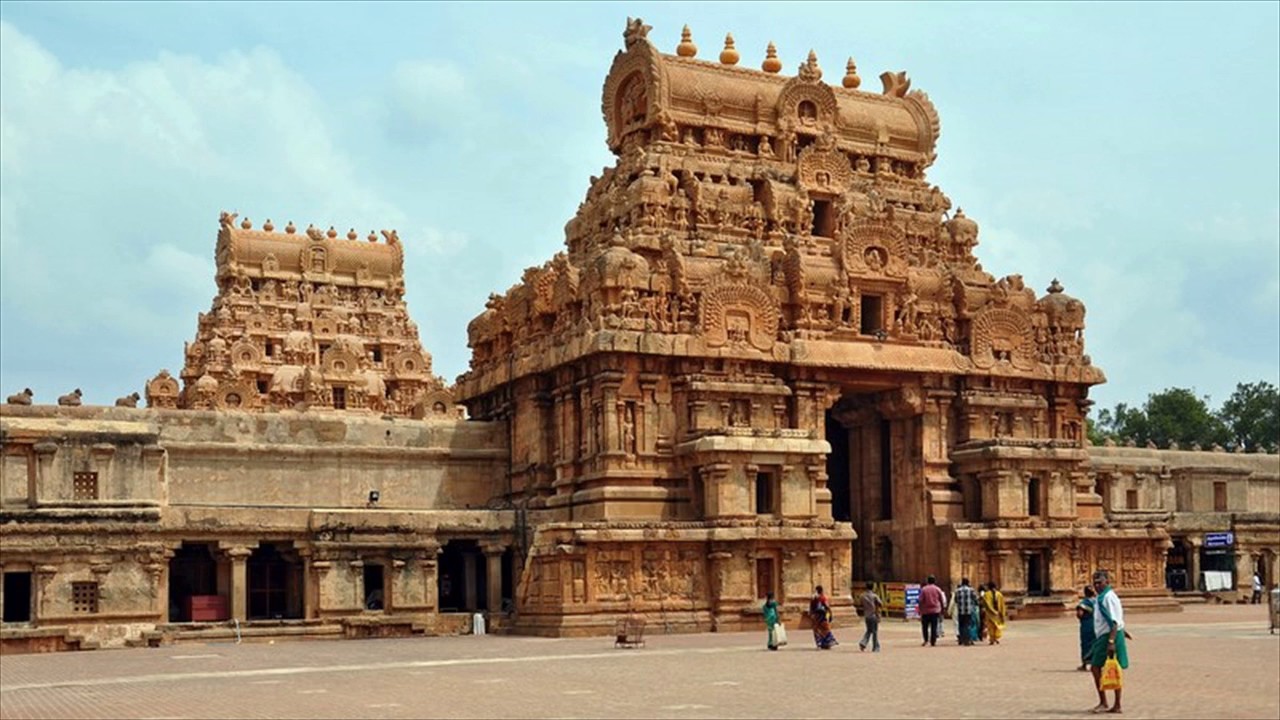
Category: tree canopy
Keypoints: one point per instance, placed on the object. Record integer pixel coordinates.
(1249, 419)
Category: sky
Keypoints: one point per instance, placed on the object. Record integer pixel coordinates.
(1130, 150)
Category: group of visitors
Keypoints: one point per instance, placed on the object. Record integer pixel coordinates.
(980, 613)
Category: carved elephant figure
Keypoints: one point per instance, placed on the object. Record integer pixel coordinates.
(22, 398)
(130, 400)
(71, 399)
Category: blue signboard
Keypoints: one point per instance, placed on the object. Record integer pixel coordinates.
(1219, 540)
(912, 601)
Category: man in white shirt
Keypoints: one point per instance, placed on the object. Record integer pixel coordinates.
(1109, 634)
(1257, 590)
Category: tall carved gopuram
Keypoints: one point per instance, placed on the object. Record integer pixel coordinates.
(305, 320)
(768, 359)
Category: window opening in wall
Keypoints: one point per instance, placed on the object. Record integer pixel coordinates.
(374, 589)
(275, 582)
(268, 349)
(872, 311)
(765, 577)
(804, 141)
(262, 387)
(1131, 499)
(1033, 497)
(84, 485)
(1219, 497)
(766, 494)
(17, 597)
(823, 221)
(84, 597)
(340, 398)
(697, 494)
(324, 348)
(377, 355)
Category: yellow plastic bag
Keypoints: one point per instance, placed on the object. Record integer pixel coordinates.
(1112, 677)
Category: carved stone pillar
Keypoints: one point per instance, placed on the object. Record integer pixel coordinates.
(493, 578)
(239, 556)
(319, 568)
(429, 560)
(1193, 563)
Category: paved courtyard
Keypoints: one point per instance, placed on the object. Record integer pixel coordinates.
(1209, 662)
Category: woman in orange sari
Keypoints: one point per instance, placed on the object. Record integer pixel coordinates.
(820, 614)
(994, 613)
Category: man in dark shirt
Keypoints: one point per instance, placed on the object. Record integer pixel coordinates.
(870, 604)
(930, 605)
(967, 611)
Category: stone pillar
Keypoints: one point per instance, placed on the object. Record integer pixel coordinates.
(1193, 562)
(493, 578)
(469, 581)
(43, 476)
(317, 568)
(239, 582)
(430, 562)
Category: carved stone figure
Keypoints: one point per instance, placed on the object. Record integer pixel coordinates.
(71, 399)
(22, 398)
(130, 400)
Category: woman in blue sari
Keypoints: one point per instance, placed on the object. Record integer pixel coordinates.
(1084, 613)
(820, 614)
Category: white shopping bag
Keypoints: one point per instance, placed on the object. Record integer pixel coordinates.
(780, 634)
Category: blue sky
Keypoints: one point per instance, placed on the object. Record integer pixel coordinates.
(1130, 150)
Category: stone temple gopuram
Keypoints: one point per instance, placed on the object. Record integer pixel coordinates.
(767, 359)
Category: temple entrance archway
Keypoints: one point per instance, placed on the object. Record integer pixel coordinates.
(861, 480)
(462, 582)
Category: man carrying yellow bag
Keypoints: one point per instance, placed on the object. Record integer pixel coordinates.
(1109, 655)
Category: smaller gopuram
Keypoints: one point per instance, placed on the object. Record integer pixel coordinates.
(309, 320)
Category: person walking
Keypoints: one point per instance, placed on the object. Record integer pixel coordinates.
(966, 610)
(994, 613)
(931, 604)
(1109, 637)
(820, 613)
(1257, 590)
(772, 622)
(871, 604)
(1084, 613)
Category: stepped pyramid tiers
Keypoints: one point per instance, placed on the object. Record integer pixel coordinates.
(306, 320)
(768, 334)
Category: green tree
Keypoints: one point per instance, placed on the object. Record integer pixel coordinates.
(1252, 415)
(1178, 415)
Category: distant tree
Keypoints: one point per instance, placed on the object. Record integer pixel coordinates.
(1252, 415)
(1178, 415)
(1120, 424)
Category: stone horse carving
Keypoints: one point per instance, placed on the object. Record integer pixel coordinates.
(71, 399)
(22, 398)
(130, 400)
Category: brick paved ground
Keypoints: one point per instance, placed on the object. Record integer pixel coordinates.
(1209, 662)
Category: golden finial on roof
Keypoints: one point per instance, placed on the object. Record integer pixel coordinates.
(686, 48)
(771, 62)
(851, 79)
(729, 55)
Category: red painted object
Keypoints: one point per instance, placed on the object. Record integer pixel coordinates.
(206, 608)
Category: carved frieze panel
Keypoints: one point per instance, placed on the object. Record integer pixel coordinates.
(1003, 335)
(739, 314)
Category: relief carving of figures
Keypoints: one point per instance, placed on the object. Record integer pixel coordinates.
(627, 421)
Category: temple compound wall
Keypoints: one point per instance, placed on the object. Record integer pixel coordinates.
(767, 359)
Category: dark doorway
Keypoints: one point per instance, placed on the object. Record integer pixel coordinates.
(838, 470)
(859, 473)
(17, 597)
(1036, 583)
(508, 580)
(1175, 569)
(275, 583)
(824, 224)
(193, 572)
(375, 591)
(766, 577)
(462, 568)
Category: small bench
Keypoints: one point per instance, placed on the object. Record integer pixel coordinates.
(629, 633)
